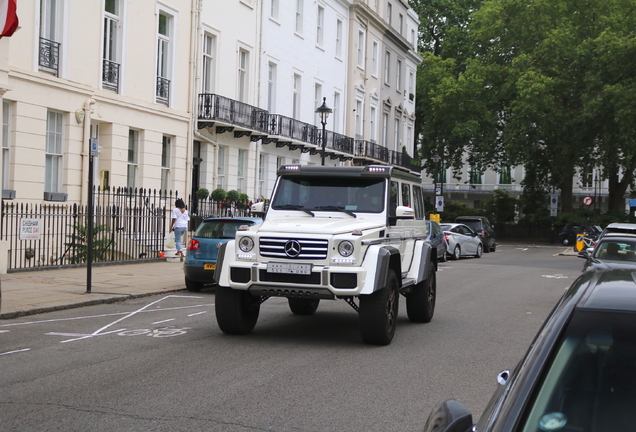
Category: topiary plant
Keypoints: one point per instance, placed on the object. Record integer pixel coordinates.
(243, 198)
(202, 193)
(233, 196)
(218, 194)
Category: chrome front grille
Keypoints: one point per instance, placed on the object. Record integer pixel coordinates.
(293, 248)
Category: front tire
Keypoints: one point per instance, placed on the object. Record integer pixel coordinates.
(457, 253)
(303, 306)
(236, 311)
(379, 312)
(480, 250)
(193, 286)
(420, 303)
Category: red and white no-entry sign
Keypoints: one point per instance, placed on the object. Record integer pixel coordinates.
(588, 200)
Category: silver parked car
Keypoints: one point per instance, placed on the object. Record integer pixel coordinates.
(462, 241)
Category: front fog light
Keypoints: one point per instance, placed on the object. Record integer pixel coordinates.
(246, 244)
(345, 248)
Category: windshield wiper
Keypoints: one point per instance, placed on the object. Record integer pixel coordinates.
(336, 208)
(294, 207)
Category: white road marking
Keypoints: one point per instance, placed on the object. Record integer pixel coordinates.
(523, 249)
(16, 351)
(159, 322)
(555, 276)
(91, 336)
(102, 315)
(198, 313)
(4, 331)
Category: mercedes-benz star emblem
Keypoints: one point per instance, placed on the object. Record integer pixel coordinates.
(292, 248)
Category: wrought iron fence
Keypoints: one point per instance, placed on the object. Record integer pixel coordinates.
(129, 225)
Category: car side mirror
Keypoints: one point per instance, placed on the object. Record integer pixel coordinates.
(402, 212)
(449, 416)
(583, 254)
(258, 208)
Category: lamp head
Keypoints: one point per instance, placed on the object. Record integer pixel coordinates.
(323, 110)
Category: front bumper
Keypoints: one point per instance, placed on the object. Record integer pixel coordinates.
(323, 282)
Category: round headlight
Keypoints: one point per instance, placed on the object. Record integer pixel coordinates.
(246, 244)
(345, 248)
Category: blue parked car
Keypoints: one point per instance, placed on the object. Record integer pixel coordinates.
(200, 260)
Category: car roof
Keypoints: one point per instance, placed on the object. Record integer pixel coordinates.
(481, 218)
(234, 219)
(618, 236)
(608, 288)
(622, 225)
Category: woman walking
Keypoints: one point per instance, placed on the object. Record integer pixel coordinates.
(180, 219)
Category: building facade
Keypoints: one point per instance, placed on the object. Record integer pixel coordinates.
(186, 94)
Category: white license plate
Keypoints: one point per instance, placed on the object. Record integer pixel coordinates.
(289, 268)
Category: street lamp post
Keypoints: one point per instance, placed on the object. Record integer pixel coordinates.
(436, 158)
(324, 111)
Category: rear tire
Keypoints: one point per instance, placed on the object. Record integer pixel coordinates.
(457, 253)
(193, 286)
(420, 303)
(303, 306)
(236, 311)
(379, 312)
(479, 251)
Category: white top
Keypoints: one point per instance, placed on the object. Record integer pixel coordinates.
(181, 218)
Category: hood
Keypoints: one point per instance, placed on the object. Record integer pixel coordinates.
(317, 225)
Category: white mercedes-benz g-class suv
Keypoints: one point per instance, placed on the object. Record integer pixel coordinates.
(353, 233)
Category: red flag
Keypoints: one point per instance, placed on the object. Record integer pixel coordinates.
(8, 17)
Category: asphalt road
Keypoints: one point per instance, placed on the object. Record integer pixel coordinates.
(162, 364)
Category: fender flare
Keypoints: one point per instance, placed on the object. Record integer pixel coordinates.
(377, 263)
(424, 254)
(221, 276)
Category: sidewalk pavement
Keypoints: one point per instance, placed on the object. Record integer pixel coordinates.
(33, 292)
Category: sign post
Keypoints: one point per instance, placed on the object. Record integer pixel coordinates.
(90, 222)
(439, 203)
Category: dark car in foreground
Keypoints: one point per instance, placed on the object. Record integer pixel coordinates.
(579, 373)
(201, 255)
(435, 236)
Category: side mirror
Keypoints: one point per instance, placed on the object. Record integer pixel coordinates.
(402, 212)
(583, 254)
(449, 416)
(258, 207)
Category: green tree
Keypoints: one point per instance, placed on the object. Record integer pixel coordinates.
(540, 62)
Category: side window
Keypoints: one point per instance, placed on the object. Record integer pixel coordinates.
(418, 202)
(393, 197)
(406, 194)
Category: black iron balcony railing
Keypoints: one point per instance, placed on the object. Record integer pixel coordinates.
(215, 107)
(49, 56)
(110, 75)
(292, 128)
(163, 90)
(340, 143)
(367, 149)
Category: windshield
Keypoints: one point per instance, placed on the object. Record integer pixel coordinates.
(616, 250)
(590, 379)
(330, 194)
(220, 229)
